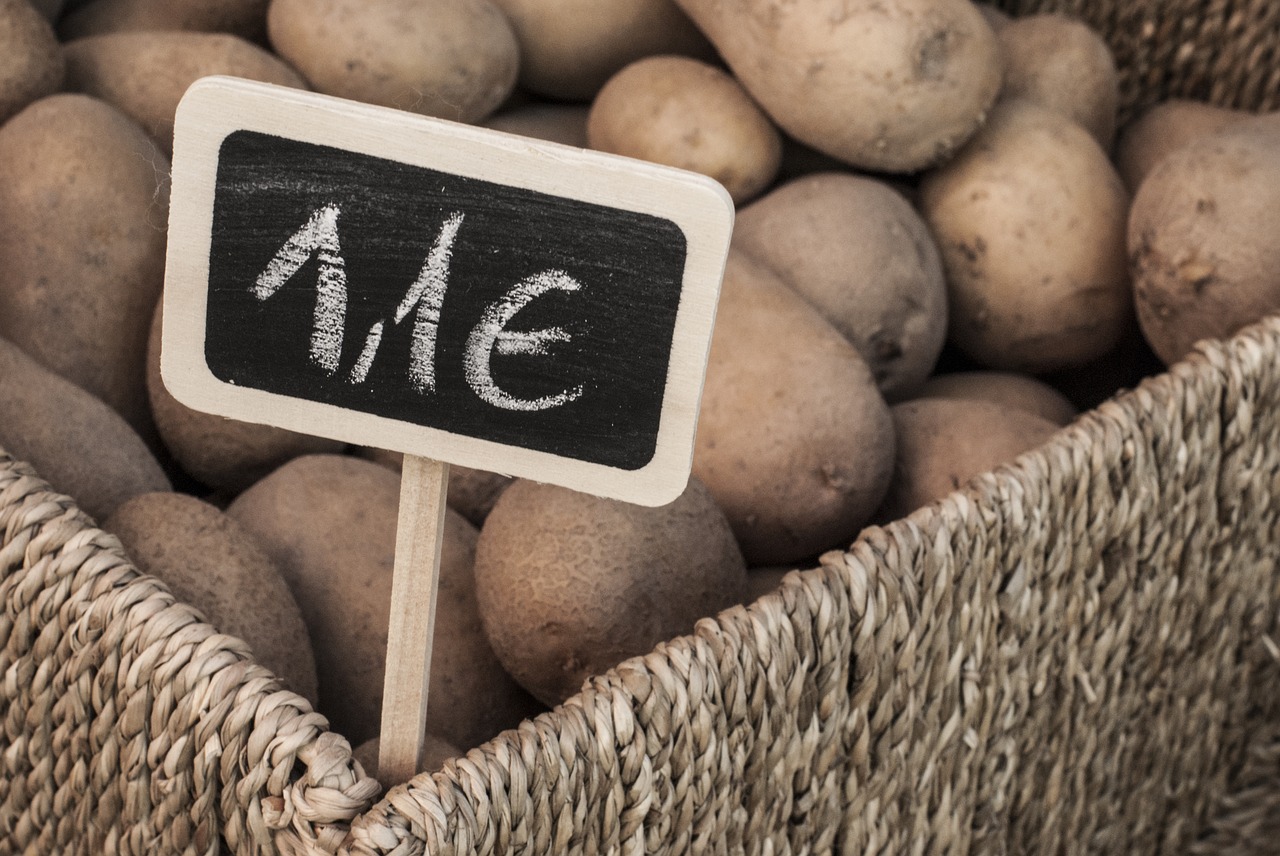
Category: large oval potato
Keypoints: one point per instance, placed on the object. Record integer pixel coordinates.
(31, 60)
(85, 208)
(794, 440)
(456, 59)
(896, 85)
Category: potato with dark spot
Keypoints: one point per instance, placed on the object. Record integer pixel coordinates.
(943, 443)
(860, 254)
(1008, 389)
(211, 562)
(685, 113)
(329, 522)
(76, 443)
(244, 18)
(456, 59)
(794, 440)
(1202, 237)
(31, 60)
(145, 75)
(85, 208)
(571, 584)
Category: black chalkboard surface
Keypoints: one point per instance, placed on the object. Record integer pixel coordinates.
(442, 290)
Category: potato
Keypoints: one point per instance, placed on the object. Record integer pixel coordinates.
(211, 562)
(896, 85)
(329, 522)
(76, 443)
(557, 123)
(794, 440)
(943, 443)
(1063, 64)
(1164, 128)
(862, 256)
(435, 752)
(1030, 218)
(244, 18)
(684, 113)
(31, 60)
(996, 18)
(471, 493)
(145, 75)
(569, 48)
(765, 580)
(1008, 389)
(570, 584)
(456, 59)
(1202, 237)
(85, 206)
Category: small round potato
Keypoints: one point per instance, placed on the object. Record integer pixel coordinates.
(456, 59)
(31, 60)
(684, 113)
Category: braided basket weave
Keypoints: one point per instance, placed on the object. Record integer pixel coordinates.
(1077, 653)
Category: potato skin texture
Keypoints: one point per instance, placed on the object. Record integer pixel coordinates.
(1030, 217)
(684, 113)
(794, 440)
(891, 86)
(31, 60)
(1202, 238)
(1007, 389)
(1162, 130)
(455, 59)
(858, 252)
(85, 206)
(569, 584)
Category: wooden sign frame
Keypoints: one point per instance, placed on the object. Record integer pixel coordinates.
(217, 107)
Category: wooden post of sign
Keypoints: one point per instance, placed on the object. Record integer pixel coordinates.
(419, 537)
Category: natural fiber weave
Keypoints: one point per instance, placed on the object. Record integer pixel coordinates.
(1225, 52)
(132, 727)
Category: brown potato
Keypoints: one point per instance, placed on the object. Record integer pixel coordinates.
(76, 443)
(1008, 389)
(1202, 237)
(31, 60)
(1030, 218)
(329, 521)
(244, 18)
(456, 59)
(211, 562)
(861, 255)
(794, 440)
(557, 123)
(685, 113)
(85, 207)
(1063, 64)
(145, 75)
(884, 86)
(569, 48)
(943, 443)
(1165, 128)
(569, 584)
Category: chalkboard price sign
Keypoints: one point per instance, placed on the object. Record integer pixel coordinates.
(446, 291)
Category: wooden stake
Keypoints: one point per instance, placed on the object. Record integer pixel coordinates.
(415, 578)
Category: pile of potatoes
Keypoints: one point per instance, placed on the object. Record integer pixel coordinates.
(943, 250)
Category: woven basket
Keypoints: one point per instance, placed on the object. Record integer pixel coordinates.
(1076, 653)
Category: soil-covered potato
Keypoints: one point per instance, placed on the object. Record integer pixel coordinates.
(456, 59)
(31, 60)
(860, 254)
(146, 74)
(571, 584)
(1202, 237)
(685, 113)
(1063, 64)
(77, 443)
(211, 562)
(221, 453)
(794, 439)
(569, 48)
(244, 18)
(329, 522)
(84, 205)
(895, 86)
(1008, 389)
(1165, 128)
(943, 443)
(1030, 217)
(556, 123)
